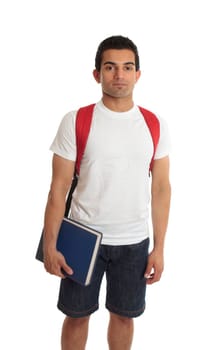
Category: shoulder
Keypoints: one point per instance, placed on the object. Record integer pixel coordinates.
(164, 144)
(153, 114)
(163, 124)
(69, 117)
(67, 122)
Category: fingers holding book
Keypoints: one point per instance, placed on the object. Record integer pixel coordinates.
(55, 264)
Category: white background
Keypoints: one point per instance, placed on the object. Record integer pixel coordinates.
(47, 58)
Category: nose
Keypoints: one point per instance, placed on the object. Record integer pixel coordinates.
(119, 72)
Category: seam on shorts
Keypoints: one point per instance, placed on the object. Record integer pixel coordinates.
(126, 313)
(77, 314)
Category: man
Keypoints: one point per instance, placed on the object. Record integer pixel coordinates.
(112, 196)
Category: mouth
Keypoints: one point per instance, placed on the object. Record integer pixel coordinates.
(119, 84)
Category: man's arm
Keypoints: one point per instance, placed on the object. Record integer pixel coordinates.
(160, 202)
(62, 173)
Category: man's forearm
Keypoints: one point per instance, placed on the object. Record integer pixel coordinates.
(160, 214)
(54, 213)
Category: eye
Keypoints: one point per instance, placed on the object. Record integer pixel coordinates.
(128, 67)
(109, 67)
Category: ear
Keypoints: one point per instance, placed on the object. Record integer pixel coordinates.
(138, 74)
(96, 75)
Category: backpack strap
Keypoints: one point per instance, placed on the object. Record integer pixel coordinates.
(83, 124)
(154, 127)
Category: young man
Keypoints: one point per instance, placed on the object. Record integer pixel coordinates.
(112, 196)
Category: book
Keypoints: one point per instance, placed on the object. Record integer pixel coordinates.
(80, 246)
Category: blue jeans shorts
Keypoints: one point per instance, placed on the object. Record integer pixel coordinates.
(124, 267)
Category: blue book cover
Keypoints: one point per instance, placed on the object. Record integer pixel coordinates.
(80, 245)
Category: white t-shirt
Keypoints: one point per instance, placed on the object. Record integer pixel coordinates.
(113, 193)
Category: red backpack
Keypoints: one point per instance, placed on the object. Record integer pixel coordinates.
(83, 123)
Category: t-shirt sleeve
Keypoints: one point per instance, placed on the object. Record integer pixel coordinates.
(64, 143)
(164, 144)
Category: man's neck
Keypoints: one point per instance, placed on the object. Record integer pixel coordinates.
(117, 104)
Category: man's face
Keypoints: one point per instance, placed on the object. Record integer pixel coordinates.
(117, 73)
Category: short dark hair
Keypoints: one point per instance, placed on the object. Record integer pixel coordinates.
(117, 42)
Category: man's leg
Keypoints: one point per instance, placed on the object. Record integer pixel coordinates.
(120, 332)
(74, 333)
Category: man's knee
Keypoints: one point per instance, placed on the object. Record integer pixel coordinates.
(126, 321)
(76, 322)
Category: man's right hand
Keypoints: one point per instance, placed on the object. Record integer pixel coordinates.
(54, 263)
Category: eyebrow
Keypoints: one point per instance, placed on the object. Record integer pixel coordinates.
(114, 63)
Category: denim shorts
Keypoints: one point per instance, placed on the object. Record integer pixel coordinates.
(124, 267)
